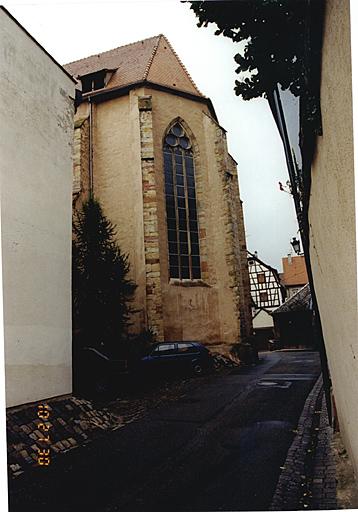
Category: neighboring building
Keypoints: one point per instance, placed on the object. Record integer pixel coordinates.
(36, 125)
(267, 293)
(294, 275)
(148, 145)
(293, 320)
(332, 217)
(323, 190)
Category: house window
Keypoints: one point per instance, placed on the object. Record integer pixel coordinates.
(182, 222)
(263, 297)
(261, 278)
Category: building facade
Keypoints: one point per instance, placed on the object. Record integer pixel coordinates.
(293, 320)
(36, 125)
(333, 220)
(294, 275)
(323, 190)
(267, 294)
(150, 148)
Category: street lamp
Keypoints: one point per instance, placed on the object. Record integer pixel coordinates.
(296, 245)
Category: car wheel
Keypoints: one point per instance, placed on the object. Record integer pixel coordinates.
(197, 369)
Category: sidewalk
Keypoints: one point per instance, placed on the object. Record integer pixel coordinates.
(308, 478)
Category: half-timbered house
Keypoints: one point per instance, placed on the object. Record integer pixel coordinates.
(267, 294)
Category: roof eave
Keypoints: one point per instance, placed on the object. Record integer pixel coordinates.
(108, 94)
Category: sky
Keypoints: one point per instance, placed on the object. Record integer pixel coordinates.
(70, 30)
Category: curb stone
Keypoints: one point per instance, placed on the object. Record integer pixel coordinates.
(324, 489)
(297, 490)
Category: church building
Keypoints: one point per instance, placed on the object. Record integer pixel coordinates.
(149, 146)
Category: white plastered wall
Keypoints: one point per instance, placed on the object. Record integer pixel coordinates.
(36, 132)
(332, 219)
(262, 320)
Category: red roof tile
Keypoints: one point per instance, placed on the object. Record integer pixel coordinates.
(152, 59)
(294, 271)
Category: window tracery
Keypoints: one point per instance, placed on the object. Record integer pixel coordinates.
(181, 208)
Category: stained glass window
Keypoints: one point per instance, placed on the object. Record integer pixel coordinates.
(182, 222)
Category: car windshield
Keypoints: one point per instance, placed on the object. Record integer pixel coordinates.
(161, 349)
(186, 347)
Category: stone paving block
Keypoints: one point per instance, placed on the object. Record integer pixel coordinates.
(67, 420)
(322, 485)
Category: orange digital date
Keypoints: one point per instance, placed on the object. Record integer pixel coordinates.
(43, 412)
(43, 455)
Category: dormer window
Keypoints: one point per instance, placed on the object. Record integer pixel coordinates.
(94, 81)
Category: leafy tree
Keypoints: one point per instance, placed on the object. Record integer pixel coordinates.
(274, 32)
(101, 286)
(283, 44)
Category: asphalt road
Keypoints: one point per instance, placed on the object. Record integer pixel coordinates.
(220, 448)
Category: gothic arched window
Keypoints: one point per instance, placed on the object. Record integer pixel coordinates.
(182, 222)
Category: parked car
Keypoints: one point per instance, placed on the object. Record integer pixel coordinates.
(98, 374)
(274, 344)
(177, 357)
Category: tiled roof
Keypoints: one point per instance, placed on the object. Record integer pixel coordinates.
(300, 301)
(152, 59)
(294, 271)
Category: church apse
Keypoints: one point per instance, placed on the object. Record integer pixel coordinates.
(162, 172)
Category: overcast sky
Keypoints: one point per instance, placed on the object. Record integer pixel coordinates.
(70, 30)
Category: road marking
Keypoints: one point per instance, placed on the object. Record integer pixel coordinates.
(276, 384)
(289, 376)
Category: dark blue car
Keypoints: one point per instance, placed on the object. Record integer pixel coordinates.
(178, 356)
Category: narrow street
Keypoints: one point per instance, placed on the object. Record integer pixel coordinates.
(221, 448)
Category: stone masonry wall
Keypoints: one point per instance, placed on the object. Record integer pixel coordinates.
(150, 215)
(238, 230)
(231, 225)
(203, 309)
(128, 156)
(81, 150)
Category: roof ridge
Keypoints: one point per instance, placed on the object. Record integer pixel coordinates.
(155, 49)
(182, 65)
(113, 49)
(263, 263)
(290, 300)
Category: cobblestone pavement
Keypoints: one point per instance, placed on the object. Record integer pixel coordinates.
(64, 423)
(308, 477)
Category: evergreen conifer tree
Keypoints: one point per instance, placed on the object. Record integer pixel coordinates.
(101, 286)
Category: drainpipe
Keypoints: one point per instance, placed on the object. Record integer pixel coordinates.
(309, 129)
(287, 148)
(90, 155)
(302, 208)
